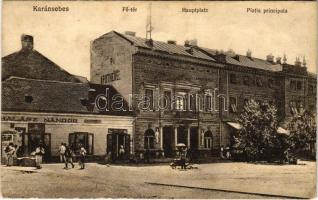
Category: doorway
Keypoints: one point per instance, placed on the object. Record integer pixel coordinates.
(31, 141)
(194, 138)
(115, 139)
(182, 135)
(168, 140)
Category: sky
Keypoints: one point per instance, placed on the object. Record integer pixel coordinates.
(64, 37)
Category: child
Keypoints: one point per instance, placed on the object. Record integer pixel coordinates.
(82, 157)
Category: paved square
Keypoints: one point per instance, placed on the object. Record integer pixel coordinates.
(226, 180)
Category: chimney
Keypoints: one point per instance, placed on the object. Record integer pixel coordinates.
(193, 42)
(27, 42)
(172, 42)
(131, 33)
(285, 59)
(304, 62)
(190, 50)
(187, 43)
(249, 53)
(231, 53)
(270, 58)
(297, 62)
(279, 60)
(149, 42)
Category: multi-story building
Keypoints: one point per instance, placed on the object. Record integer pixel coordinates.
(42, 103)
(190, 94)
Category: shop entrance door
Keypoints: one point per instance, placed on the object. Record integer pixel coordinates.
(182, 135)
(194, 138)
(194, 142)
(32, 140)
(115, 139)
(36, 135)
(168, 140)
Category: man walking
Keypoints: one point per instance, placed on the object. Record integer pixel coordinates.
(68, 155)
(62, 150)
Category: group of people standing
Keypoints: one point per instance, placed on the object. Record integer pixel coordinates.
(11, 154)
(225, 153)
(67, 155)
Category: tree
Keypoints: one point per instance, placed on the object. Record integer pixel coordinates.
(258, 132)
(302, 133)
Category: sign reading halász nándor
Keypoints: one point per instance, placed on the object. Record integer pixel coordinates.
(36, 119)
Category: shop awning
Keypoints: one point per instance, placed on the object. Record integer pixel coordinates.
(235, 125)
(238, 126)
(280, 130)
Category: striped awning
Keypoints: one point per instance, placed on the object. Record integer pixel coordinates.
(235, 125)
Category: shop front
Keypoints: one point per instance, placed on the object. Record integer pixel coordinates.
(97, 133)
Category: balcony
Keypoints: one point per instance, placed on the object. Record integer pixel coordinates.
(185, 114)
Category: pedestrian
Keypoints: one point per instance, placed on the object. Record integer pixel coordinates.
(108, 159)
(68, 155)
(183, 156)
(82, 156)
(228, 153)
(10, 151)
(62, 149)
(147, 155)
(121, 152)
(39, 152)
(222, 152)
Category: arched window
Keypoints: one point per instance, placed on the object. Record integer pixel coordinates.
(149, 139)
(208, 140)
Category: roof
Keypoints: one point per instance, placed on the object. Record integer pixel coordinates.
(245, 61)
(33, 65)
(312, 75)
(57, 96)
(165, 47)
(203, 53)
(47, 96)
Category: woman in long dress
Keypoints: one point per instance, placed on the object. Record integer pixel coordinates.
(39, 152)
(10, 154)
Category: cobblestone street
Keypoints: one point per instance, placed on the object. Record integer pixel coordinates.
(217, 180)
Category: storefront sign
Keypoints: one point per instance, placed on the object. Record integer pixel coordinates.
(60, 120)
(19, 118)
(92, 121)
(35, 119)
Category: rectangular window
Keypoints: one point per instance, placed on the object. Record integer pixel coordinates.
(310, 89)
(208, 103)
(299, 85)
(270, 83)
(246, 80)
(82, 138)
(149, 99)
(233, 105)
(181, 101)
(293, 107)
(167, 100)
(192, 99)
(259, 82)
(293, 85)
(233, 78)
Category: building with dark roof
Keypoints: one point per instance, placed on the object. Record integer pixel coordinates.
(201, 90)
(42, 103)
